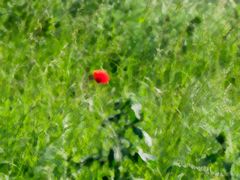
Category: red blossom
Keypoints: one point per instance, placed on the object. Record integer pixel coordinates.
(101, 76)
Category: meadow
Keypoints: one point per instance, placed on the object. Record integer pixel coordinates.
(170, 111)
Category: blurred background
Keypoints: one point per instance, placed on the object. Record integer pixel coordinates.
(177, 62)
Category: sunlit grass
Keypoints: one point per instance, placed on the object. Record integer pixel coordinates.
(179, 59)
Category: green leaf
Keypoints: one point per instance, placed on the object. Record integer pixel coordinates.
(135, 157)
(117, 105)
(111, 157)
(138, 132)
(115, 117)
(137, 108)
(228, 166)
(146, 157)
(147, 138)
(212, 158)
(221, 138)
(66, 121)
(196, 20)
(88, 161)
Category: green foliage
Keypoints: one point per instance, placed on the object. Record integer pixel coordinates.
(121, 147)
(174, 66)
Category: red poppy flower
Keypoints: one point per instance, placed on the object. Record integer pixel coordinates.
(101, 76)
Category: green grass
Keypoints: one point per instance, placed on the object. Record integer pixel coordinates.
(179, 59)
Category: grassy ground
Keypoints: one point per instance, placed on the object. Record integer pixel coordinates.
(179, 59)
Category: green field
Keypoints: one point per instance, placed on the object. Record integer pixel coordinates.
(170, 111)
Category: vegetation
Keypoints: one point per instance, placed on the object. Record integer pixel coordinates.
(170, 110)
